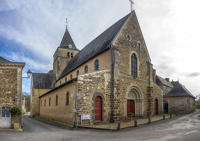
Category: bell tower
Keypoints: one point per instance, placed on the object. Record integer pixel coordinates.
(64, 53)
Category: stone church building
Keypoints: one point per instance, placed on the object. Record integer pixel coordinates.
(111, 79)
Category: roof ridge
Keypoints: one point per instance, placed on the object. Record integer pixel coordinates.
(96, 46)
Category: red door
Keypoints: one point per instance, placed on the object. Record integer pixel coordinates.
(156, 106)
(98, 108)
(130, 108)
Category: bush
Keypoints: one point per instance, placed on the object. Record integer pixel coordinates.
(15, 111)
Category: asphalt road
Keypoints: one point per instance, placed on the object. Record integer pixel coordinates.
(185, 128)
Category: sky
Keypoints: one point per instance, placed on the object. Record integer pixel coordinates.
(31, 31)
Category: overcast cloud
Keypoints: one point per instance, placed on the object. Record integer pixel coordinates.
(171, 31)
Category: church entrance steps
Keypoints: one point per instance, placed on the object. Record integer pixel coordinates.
(129, 123)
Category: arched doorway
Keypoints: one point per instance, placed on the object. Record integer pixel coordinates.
(98, 108)
(156, 106)
(133, 103)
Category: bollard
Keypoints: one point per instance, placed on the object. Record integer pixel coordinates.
(135, 123)
(163, 117)
(118, 126)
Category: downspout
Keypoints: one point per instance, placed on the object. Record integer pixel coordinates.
(111, 83)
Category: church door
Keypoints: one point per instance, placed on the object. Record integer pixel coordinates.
(98, 108)
(130, 108)
(156, 106)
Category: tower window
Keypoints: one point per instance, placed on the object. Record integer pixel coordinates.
(96, 65)
(68, 54)
(72, 55)
(86, 69)
(134, 65)
(71, 76)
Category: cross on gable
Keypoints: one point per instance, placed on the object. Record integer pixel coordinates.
(131, 3)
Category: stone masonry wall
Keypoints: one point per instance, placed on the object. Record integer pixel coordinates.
(130, 40)
(61, 112)
(180, 105)
(90, 86)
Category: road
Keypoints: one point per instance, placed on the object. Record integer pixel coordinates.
(184, 128)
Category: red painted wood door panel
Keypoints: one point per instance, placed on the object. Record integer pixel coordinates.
(130, 108)
(98, 108)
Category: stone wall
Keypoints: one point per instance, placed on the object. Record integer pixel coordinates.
(130, 40)
(89, 87)
(104, 64)
(180, 105)
(11, 87)
(35, 93)
(61, 112)
(61, 59)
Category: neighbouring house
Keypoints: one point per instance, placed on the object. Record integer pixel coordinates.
(10, 92)
(166, 86)
(179, 99)
(110, 80)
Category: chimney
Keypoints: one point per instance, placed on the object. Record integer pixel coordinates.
(167, 79)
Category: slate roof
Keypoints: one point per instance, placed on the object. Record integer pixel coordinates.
(3, 60)
(162, 81)
(67, 40)
(43, 80)
(97, 46)
(178, 90)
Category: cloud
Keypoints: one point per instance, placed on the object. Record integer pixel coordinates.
(171, 32)
(194, 74)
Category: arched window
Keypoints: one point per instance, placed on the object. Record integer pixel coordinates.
(67, 98)
(77, 73)
(72, 55)
(71, 76)
(86, 69)
(134, 64)
(96, 65)
(56, 100)
(50, 101)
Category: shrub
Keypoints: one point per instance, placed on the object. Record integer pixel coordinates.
(15, 111)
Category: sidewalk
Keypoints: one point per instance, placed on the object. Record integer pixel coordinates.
(128, 124)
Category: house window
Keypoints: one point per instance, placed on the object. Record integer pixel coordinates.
(65, 79)
(96, 65)
(72, 55)
(71, 76)
(50, 101)
(86, 69)
(134, 65)
(77, 73)
(44, 102)
(56, 100)
(67, 98)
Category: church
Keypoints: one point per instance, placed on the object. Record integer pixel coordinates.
(110, 80)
